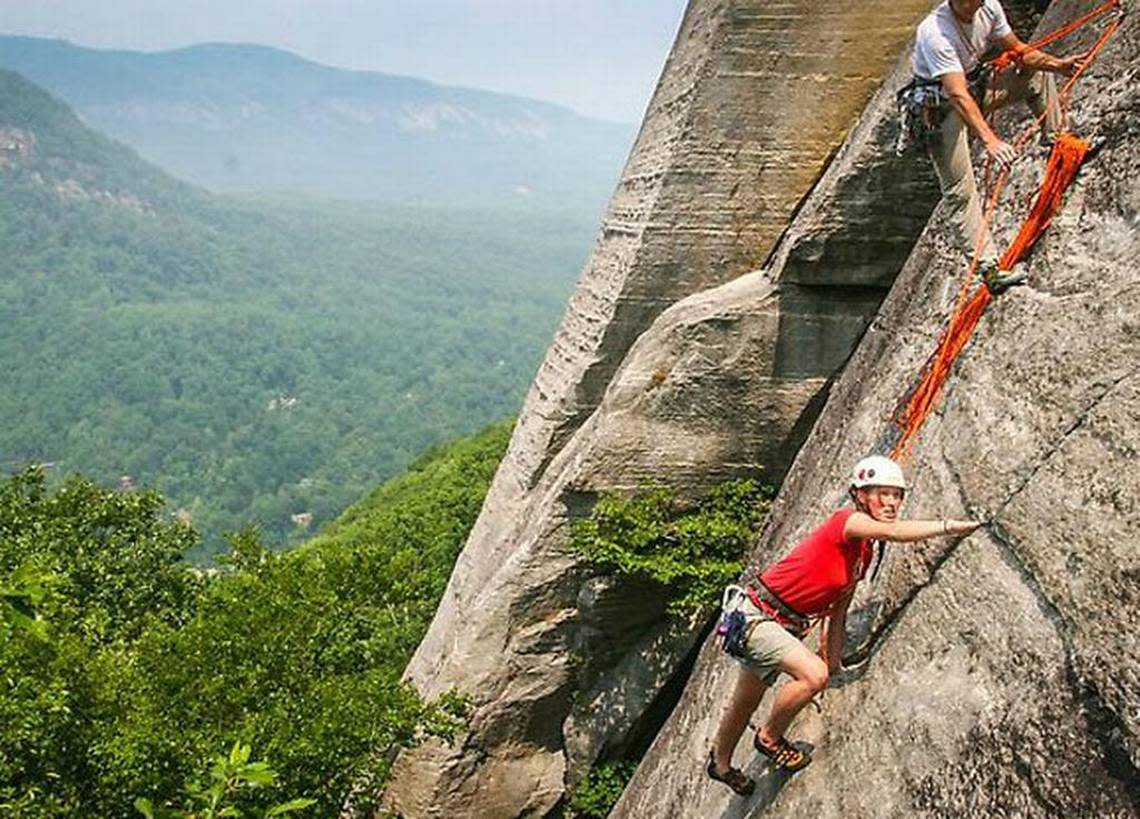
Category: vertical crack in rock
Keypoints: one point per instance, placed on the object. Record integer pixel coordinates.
(1080, 420)
(1103, 723)
(882, 631)
(885, 626)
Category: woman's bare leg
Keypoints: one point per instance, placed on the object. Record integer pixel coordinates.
(746, 696)
(809, 674)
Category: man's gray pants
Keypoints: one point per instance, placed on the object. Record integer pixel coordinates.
(951, 153)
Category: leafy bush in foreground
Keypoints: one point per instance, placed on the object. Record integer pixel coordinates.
(145, 668)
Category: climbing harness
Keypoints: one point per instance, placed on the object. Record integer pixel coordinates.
(776, 609)
(735, 626)
(923, 106)
(1068, 153)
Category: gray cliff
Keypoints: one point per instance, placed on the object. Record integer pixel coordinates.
(753, 104)
(996, 676)
(999, 674)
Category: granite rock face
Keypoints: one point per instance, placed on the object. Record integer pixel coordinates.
(999, 674)
(753, 104)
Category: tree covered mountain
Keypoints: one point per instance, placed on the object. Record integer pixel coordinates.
(240, 118)
(253, 362)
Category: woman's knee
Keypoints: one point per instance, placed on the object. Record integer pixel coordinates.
(814, 674)
(809, 669)
(818, 677)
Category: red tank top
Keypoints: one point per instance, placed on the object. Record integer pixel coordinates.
(820, 568)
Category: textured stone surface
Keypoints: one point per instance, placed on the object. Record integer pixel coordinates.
(565, 667)
(753, 100)
(724, 384)
(1001, 673)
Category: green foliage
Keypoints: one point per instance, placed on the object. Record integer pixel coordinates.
(252, 361)
(247, 554)
(229, 775)
(595, 796)
(107, 569)
(691, 549)
(110, 559)
(19, 598)
(153, 665)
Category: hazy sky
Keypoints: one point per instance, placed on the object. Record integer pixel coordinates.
(600, 57)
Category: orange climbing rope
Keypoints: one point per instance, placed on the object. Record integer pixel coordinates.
(1069, 152)
(1014, 55)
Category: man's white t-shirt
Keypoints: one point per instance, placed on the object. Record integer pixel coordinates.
(944, 44)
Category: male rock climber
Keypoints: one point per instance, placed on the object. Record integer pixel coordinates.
(948, 99)
(815, 580)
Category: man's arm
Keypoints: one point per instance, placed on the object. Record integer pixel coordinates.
(861, 526)
(1039, 60)
(958, 93)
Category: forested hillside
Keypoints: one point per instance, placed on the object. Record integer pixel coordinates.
(242, 118)
(253, 362)
(126, 671)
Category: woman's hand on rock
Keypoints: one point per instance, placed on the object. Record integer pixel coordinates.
(963, 527)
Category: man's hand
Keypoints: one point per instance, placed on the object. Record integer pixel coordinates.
(1068, 66)
(1002, 153)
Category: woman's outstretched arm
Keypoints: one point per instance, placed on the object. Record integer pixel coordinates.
(861, 526)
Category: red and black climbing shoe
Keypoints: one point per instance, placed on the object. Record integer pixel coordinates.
(733, 777)
(785, 755)
(998, 280)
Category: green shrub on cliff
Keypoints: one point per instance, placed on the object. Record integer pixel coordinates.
(596, 795)
(691, 548)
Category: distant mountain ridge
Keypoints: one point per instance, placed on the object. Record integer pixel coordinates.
(257, 362)
(247, 118)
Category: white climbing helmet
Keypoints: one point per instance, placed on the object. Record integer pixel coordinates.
(876, 470)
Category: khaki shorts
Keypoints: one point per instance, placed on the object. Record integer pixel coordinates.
(768, 642)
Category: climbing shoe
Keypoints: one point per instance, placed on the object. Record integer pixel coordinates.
(998, 280)
(785, 755)
(733, 777)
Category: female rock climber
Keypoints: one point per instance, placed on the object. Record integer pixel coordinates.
(817, 579)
